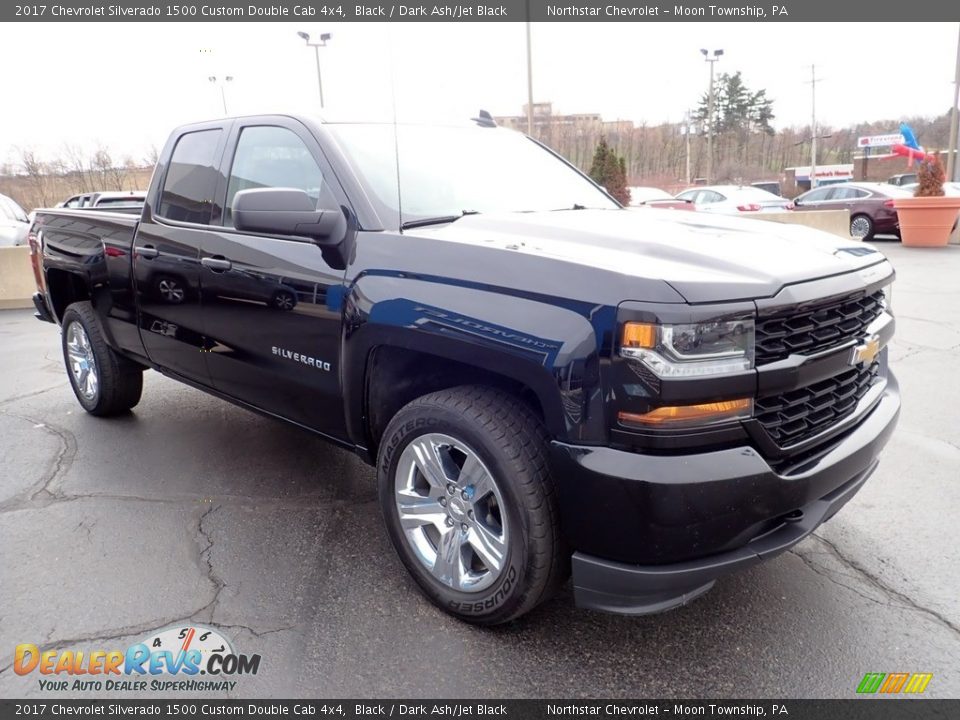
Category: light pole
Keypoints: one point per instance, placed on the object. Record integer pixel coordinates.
(223, 92)
(687, 128)
(529, 78)
(954, 122)
(710, 59)
(316, 49)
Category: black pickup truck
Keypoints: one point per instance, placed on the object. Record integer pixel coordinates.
(546, 382)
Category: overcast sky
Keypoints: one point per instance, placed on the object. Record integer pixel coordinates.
(127, 84)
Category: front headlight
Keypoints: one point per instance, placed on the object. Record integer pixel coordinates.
(690, 350)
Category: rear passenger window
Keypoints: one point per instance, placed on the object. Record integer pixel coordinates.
(191, 179)
(272, 157)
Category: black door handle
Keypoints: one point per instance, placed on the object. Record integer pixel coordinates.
(147, 252)
(216, 263)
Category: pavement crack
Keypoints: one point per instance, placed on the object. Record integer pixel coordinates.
(258, 633)
(899, 599)
(47, 488)
(32, 393)
(205, 561)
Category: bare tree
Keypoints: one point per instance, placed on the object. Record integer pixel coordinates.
(38, 176)
(77, 168)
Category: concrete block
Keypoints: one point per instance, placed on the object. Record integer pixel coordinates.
(836, 222)
(16, 278)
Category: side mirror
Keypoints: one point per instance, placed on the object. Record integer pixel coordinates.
(287, 211)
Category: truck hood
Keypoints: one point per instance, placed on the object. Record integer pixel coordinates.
(705, 258)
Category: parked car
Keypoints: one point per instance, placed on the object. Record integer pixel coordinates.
(902, 179)
(14, 223)
(655, 197)
(950, 189)
(771, 186)
(870, 206)
(733, 199)
(112, 199)
(543, 380)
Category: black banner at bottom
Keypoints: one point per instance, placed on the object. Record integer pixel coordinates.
(853, 709)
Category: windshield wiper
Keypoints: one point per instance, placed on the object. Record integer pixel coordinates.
(576, 206)
(439, 220)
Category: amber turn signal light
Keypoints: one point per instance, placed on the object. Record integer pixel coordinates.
(639, 335)
(689, 414)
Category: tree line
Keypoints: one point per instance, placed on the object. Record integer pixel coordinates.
(746, 147)
(37, 181)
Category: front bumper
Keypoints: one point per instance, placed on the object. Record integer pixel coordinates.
(652, 532)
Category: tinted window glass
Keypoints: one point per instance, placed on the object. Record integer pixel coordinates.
(14, 211)
(847, 193)
(191, 178)
(269, 157)
(816, 195)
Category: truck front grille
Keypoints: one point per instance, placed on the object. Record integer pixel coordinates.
(816, 329)
(801, 414)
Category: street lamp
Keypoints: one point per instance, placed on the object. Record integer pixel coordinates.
(316, 48)
(710, 59)
(223, 92)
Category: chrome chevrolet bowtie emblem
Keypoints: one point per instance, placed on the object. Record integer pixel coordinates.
(866, 351)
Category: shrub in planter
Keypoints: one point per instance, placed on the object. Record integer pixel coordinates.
(928, 218)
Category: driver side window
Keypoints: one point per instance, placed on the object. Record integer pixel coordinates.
(274, 157)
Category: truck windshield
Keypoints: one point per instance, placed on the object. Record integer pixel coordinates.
(449, 171)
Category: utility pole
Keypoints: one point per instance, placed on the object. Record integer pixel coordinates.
(529, 76)
(711, 60)
(813, 126)
(954, 121)
(686, 132)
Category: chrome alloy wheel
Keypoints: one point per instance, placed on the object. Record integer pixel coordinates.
(860, 227)
(83, 365)
(451, 512)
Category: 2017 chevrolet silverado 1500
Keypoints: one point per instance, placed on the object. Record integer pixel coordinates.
(545, 381)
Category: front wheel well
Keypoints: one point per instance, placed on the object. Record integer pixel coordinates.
(397, 376)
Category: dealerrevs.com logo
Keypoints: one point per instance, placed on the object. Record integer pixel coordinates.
(191, 658)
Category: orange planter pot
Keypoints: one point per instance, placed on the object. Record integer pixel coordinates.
(927, 221)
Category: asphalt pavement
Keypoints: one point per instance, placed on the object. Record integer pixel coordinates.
(192, 511)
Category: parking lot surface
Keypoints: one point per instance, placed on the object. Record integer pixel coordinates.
(190, 510)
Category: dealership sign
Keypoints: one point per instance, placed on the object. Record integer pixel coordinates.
(880, 140)
(826, 172)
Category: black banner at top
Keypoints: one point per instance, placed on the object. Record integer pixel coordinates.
(854, 11)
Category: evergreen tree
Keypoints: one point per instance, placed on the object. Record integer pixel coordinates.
(610, 171)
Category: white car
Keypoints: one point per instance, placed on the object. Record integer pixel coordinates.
(733, 199)
(14, 224)
(950, 189)
(642, 195)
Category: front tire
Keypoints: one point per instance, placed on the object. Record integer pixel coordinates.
(104, 382)
(469, 503)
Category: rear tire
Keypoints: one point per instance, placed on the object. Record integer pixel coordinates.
(480, 531)
(861, 227)
(104, 382)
